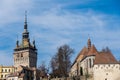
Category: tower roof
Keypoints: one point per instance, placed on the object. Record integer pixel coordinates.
(89, 43)
(25, 44)
(25, 25)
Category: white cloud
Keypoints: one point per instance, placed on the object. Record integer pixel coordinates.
(10, 10)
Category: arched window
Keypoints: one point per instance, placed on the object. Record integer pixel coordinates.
(5, 70)
(93, 61)
(9, 70)
(81, 71)
(90, 63)
(1, 76)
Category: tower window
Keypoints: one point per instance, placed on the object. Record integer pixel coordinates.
(106, 73)
(21, 55)
(17, 55)
(1, 76)
(9, 70)
(5, 70)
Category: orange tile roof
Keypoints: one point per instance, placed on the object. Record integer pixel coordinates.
(92, 51)
(105, 58)
(100, 58)
(85, 52)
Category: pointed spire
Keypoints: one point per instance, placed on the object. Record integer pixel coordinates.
(25, 33)
(25, 23)
(89, 43)
(34, 44)
(17, 42)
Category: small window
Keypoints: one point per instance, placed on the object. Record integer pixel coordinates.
(90, 63)
(1, 76)
(2, 70)
(21, 55)
(106, 73)
(101, 67)
(5, 70)
(9, 70)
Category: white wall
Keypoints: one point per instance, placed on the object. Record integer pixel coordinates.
(106, 72)
(85, 64)
(12, 78)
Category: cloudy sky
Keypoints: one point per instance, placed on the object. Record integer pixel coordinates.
(53, 23)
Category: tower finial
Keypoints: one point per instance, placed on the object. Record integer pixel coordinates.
(25, 16)
(89, 42)
(34, 43)
(25, 33)
(25, 25)
(17, 42)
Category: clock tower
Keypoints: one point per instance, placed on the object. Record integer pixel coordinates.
(25, 53)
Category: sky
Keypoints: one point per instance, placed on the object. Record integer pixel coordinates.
(53, 23)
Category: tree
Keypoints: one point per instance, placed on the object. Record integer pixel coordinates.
(60, 62)
(43, 70)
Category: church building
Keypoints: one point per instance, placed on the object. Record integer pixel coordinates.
(95, 65)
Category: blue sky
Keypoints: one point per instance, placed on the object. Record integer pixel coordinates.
(56, 22)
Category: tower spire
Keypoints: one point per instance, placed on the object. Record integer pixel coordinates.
(25, 23)
(89, 43)
(25, 33)
(17, 42)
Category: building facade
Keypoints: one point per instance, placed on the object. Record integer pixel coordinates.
(106, 66)
(5, 70)
(106, 71)
(23, 73)
(25, 53)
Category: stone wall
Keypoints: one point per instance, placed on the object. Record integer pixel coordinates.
(106, 72)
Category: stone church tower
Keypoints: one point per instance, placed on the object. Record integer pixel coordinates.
(25, 53)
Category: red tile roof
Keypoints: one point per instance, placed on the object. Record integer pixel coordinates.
(100, 57)
(85, 52)
(92, 51)
(105, 58)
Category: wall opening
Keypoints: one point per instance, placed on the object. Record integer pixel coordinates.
(81, 71)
